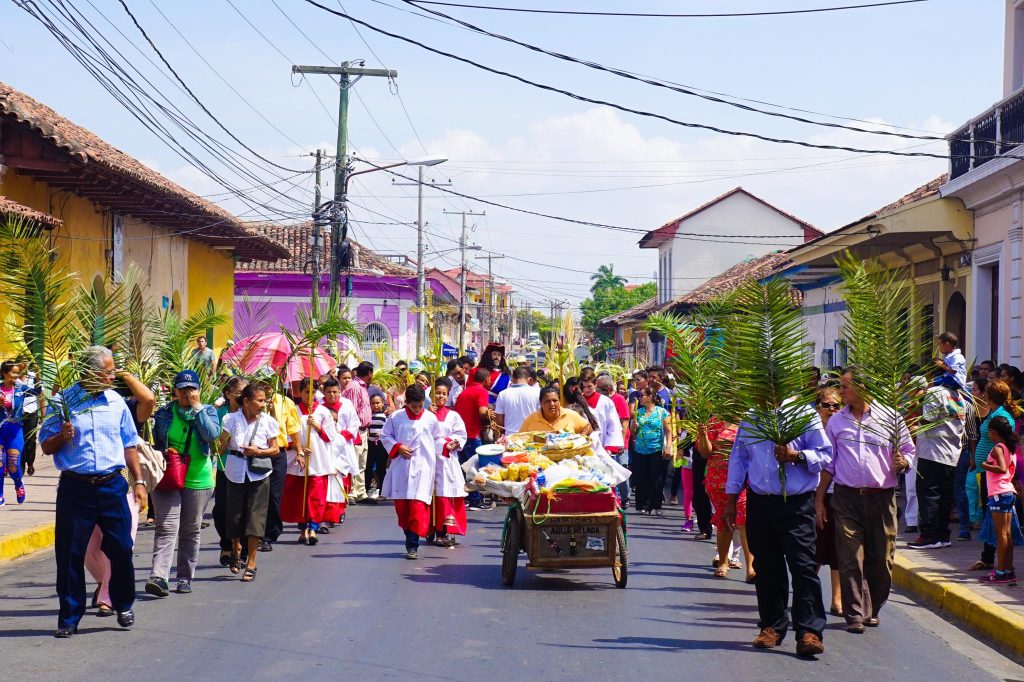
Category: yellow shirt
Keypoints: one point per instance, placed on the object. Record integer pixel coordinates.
(567, 420)
(287, 415)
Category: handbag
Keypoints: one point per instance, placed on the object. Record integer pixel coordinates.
(259, 465)
(177, 466)
(152, 464)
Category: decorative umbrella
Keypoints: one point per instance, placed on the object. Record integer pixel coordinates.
(273, 349)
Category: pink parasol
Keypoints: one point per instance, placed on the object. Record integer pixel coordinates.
(272, 349)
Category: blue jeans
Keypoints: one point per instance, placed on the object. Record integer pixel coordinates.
(82, 506)
(963, 506)
(474, 499)
(12, 445)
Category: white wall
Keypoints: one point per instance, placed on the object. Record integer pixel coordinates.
(823, 329)
(692, 262)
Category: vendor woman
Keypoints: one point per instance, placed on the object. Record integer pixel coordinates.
(553, 417)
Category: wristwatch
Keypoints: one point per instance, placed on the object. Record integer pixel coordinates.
(142, 483)
(801, 457)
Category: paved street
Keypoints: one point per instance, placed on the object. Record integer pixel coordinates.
(353, 607)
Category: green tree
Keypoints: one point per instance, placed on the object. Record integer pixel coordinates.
(607, 301)
(605, 278)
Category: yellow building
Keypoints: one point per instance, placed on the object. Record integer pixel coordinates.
(106, 211)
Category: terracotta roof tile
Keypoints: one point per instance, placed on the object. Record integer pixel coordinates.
(9, 207)
(88, 148)
(636, 312)
(295, 238)
(753, 268)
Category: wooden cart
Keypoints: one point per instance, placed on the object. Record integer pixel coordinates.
(558, 541)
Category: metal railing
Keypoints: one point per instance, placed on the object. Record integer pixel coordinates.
(995, 132)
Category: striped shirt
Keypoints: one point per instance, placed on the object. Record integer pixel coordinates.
(377, 420)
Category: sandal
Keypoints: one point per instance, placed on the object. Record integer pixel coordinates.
(236, 565)
(735, 564)
(312, 539)
(105, 610)
(225, 559)
(722, 571)
(836, 612)
(249, 575)
(980, 566)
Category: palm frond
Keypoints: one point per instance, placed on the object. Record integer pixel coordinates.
(884, 331)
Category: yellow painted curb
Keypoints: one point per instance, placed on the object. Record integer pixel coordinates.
(25, 542)
(997, 623)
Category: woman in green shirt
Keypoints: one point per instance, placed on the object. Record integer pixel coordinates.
(189, 427)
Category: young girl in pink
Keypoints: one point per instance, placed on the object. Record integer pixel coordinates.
(1000, 526)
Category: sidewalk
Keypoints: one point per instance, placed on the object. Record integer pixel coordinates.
(939, 577)
(27, 528)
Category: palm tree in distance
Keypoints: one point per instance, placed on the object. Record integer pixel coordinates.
(605, 278)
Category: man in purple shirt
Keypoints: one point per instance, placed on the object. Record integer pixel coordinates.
(780, 530)
(864, 467)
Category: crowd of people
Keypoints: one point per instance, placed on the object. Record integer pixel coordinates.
(269, 453)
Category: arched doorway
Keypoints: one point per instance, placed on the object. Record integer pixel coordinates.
(956, 317)
(375, 337)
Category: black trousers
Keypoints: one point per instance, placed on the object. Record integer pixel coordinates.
(934, 499)
(29, 422)
(701, 501)
(275, 526)
(82, 506)
(220, 510)
(376, 464)
(649, 474)
(782, 534)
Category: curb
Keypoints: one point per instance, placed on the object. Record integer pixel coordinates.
(26, 542)
(996, 623)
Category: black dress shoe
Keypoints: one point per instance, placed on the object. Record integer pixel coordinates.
(871, 622)
(126, 619)
(65, 632)
(266, 546)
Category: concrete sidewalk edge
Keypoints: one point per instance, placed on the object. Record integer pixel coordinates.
(26, 542)
(996, 623)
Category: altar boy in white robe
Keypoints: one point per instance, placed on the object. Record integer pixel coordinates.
(345, 459)
(449, 508)
(411, 437)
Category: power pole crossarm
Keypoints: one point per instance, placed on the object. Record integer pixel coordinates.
(344, 69)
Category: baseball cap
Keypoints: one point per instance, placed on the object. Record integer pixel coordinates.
(186, 379)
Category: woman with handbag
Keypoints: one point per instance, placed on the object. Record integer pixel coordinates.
(250, 438)
(183, 430)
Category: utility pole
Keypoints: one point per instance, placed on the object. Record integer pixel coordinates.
(490, 258)
(315, 239)
(462, 277)
(420, 276)
(339, 213)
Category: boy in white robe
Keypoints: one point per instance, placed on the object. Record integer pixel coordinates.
(449, 508)
(411, 437)
(345, 459)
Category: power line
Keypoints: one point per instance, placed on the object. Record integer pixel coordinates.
(620, 107)
(661, 84)
(532, 10)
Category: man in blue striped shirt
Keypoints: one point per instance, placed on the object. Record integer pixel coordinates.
(91, 435)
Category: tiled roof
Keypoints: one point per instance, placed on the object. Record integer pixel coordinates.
(295, 239)
(926, 190)
(640, 310)
(665, 232)
(9, 207)
(88, 149)
(753, 268)
(474, 280)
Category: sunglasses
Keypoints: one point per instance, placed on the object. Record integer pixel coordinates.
(830, 406)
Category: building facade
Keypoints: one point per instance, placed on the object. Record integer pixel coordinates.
(111, 212)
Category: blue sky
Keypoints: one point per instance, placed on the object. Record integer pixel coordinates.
(916, 65)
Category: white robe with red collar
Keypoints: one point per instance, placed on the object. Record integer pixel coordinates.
(449, 478)
(413, 478)
(321, 438)
(346, 461)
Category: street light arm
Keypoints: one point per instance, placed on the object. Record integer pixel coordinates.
(373, 170)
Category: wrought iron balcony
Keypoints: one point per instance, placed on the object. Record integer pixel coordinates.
(987, 136)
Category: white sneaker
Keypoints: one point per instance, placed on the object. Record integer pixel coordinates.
(374, 494)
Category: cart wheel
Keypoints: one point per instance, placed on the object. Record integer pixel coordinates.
(622, 572)
(510, 550)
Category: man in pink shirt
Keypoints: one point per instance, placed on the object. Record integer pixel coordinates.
(864, 467)
(354, 388)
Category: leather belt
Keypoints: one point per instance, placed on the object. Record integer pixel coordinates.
(864, 492)
(91, 479)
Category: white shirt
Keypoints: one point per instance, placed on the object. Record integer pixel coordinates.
(450, 480)
(608, 422)
(454, 393)
(259, 434)
(516, 403)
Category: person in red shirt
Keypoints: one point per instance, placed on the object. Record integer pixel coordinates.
(473, 406)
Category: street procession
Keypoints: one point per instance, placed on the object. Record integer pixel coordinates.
(391, 339)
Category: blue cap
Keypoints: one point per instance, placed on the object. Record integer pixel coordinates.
(186, 379)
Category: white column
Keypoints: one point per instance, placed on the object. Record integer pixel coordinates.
(1013, 238)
